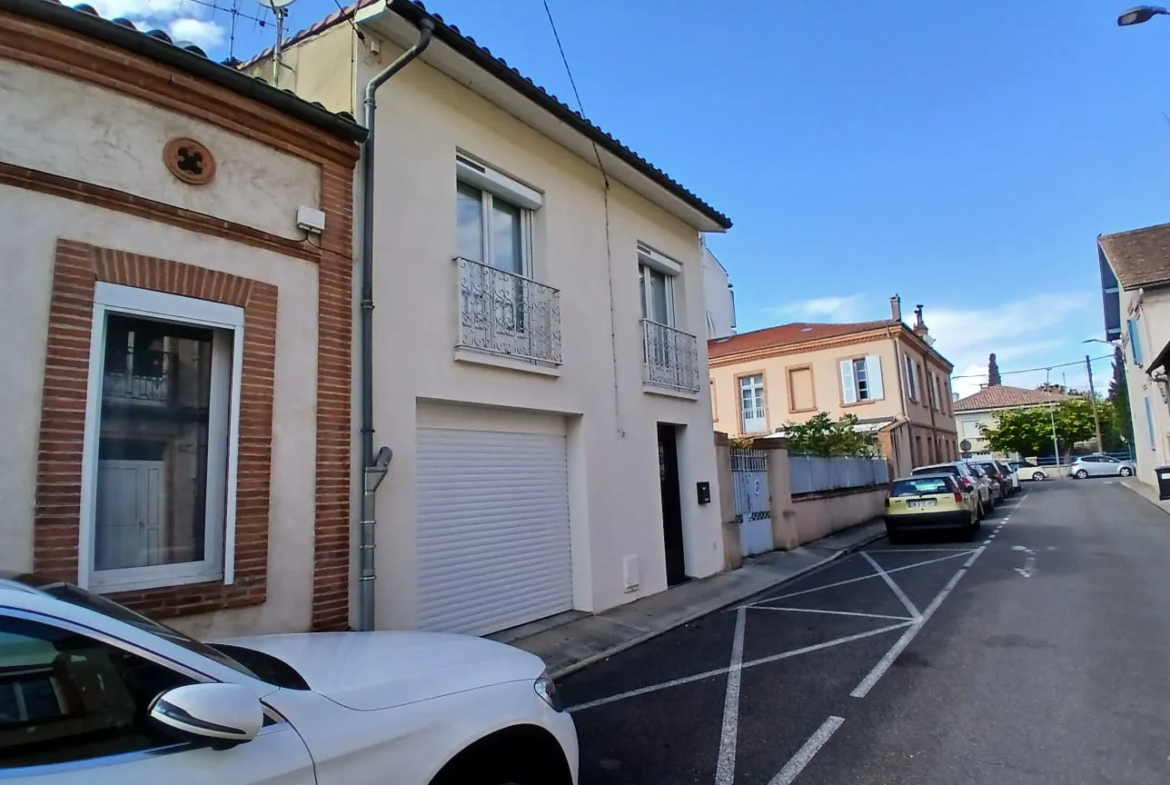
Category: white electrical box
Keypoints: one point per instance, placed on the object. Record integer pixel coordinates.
(630, 577)
(310, 219)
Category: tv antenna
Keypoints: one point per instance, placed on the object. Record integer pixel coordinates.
(279, 8)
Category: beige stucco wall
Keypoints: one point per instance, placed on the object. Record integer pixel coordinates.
(819, 515)
(1153, 324)
(826, 385)
(123, 139)
(118, 141)
(425, 118)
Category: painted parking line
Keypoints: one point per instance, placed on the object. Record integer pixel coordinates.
(864, 577)
(827, 612)
(807, 752)
(900, 645)
(895, 588)
(725, 765)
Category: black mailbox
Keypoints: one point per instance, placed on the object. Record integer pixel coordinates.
(704, 489)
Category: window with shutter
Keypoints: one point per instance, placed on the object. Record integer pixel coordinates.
(801, 395)
(909, 365)
(848, 383)
(873, 371)
(1135, 344)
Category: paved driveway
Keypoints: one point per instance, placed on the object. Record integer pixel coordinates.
(931, 663)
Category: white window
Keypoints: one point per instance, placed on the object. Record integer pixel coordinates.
(751, 396)
(159, 455)
(971, 430)
(911, 390)
(861, 379)
(657, 295)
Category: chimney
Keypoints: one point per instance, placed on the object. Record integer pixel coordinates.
(919, 325)
(896, 308)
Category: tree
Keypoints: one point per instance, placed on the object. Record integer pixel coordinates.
(821, 435)
(993, 377)
(1120, 420)
(1029, 431)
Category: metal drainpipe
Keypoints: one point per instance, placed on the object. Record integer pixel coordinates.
(374, 466)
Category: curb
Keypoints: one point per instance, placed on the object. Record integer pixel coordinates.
(618, 649)
(1139, 492)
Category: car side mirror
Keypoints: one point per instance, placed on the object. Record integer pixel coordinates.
(217, 715)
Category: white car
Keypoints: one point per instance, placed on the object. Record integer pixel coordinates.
(92, 693)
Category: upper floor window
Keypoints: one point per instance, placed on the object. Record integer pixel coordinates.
(911, 387)
(861, 379)
(1135, 343)
(495, 217)
(751, 394)
(657, 295)
(158, 486)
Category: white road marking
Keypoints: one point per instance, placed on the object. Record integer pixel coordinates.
(987, 541)
(900, 645)
(831, 613)
(806, 753)
(916, 550)
(750, 664)
(725, 767)
(974, 556)
(895, 588)
(865, 577)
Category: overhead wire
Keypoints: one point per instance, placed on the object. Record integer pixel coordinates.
(1034, 370)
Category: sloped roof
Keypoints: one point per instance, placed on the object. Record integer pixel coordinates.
(186, 57)
(787, 335)
(413, 11)
(1002, 397)
(1140, 257)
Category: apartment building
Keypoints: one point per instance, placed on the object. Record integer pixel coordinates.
(885, 372)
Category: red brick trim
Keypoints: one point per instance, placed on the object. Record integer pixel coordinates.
(111, 199)
(57, 522)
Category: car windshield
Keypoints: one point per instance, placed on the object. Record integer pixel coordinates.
(921, 486)
(74, 595)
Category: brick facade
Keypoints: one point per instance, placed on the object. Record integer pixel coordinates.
(79, 266)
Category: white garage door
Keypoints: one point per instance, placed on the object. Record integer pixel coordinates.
(492, 530)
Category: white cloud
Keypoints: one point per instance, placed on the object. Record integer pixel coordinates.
(183, 21)
(203, 33)
(1027, 333)
(822, 309)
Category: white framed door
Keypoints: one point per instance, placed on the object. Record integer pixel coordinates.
(131, 513)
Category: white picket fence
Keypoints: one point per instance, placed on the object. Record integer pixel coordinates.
(811, 474)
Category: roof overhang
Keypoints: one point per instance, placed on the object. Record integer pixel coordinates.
(454, 56)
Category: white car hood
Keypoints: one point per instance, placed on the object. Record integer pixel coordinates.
(379, 670)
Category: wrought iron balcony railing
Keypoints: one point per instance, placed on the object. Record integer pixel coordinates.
(142, 377)
(506, 314)
(670, 357)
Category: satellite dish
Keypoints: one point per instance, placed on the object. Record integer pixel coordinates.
(275, 5)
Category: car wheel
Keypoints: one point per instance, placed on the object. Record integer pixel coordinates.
(1038, 476)
(508, 765)
(1126, 471)
(1082, 474)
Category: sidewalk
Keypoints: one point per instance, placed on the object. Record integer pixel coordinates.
(1149, 493)
(583, 639)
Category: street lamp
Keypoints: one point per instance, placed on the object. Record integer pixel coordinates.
(1140, 14)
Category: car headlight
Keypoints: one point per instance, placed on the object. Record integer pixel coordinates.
(547, 690)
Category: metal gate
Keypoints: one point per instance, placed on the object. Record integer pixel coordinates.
(749, 472)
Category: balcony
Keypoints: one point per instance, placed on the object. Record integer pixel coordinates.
(143, 378)
(670, 358)
(507, 315)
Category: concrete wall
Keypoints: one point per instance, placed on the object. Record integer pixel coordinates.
(90, 134)
(718, 297)
(818, 515)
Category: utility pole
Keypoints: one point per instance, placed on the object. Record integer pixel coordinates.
(1052, 416)
(1093, 400)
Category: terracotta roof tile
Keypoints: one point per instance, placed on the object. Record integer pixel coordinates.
(787, 335)
(1140, 257)
(1001, 397)
(412, 10)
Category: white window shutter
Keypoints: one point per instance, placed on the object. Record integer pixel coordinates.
(848, 385)
(873, 372)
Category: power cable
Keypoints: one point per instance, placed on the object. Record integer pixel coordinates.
(617, 412)
(1033, 370)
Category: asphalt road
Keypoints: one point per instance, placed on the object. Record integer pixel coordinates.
(1038, 654)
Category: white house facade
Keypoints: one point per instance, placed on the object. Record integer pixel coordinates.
(718, 297)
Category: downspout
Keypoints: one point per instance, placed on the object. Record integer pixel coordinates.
(374, 466)
(898, 371)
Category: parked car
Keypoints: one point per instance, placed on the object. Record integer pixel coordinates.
(1012, 476)
(929, 502)
(967, 478)
(1099, 465)
(997, 475)
(1029, 471)
(993, 489)
(92, 691)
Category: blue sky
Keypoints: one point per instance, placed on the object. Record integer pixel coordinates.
(964, 156)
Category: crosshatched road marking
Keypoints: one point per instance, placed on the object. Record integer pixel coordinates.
(750, 664)
(830, 613)
(864, 577)
(725, 765)
(806, 753)
(895, 588)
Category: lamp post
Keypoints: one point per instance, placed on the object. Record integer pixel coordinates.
(1052, 416)
(1093, 394)
(1140, 14)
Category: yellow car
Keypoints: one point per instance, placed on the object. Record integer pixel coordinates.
(930, 502)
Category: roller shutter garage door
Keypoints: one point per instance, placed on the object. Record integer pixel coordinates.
(492, 529)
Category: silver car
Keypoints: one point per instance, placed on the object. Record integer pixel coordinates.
(1101, 466)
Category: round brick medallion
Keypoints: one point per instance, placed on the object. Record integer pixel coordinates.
(190, 161)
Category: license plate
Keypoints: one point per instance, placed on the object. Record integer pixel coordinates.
(923, 503)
